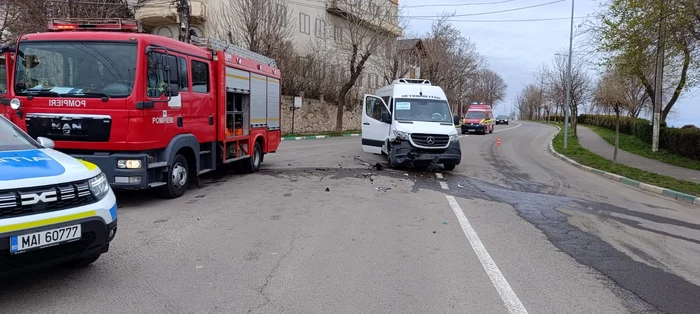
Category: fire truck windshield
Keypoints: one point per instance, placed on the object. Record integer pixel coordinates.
(75, 69)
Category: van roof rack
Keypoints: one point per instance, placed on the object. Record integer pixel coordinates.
(411, 81)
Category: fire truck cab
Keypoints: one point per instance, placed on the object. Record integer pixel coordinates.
(150, 111)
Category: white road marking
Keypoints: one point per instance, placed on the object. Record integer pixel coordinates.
(439, 175)
(443, 185)
(463, 135)
(517, 126)
(499, 282)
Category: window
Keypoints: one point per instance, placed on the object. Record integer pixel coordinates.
(200, 77)
(337, 33)
(304, 23)
(157, 78)
(320, 28)
(374, 108)
(12, 138)
(3, 77)
(80, 69)
(280, 14)
(182, 69)
(373, 9)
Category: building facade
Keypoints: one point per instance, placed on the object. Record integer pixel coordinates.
(314, 25)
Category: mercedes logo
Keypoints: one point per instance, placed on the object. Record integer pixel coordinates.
(430, 140)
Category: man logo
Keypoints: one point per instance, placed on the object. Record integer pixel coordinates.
(430, 140)
(34, 198)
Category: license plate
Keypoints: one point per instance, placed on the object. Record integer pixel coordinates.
(42, 239)
(472, 130)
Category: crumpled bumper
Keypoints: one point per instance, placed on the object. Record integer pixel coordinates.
(405, 155)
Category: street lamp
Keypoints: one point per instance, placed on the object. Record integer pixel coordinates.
(568, 78)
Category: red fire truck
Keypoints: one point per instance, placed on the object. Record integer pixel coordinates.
(150, 111)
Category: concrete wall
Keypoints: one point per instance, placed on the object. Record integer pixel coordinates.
(316, 116)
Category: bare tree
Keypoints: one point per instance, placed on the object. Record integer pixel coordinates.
(612, 94)
(581, 84)
(30, 16)
(362, 31)
(451, 60)
(262, 26)
(488, 87)
(528, 102)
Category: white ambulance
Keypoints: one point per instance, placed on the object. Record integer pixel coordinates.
(411, 122)
(53, 208)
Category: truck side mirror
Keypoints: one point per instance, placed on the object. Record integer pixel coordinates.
(172, 90)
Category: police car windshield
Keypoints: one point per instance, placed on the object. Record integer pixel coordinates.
(428, 110)
(12, 138)
(75, 69)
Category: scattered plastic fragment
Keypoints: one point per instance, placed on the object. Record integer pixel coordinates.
(444, 222)
(328, 189)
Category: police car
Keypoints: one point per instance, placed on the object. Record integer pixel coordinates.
(53, 208)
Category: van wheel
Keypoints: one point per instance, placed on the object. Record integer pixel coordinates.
(252, 164)
(177, 178)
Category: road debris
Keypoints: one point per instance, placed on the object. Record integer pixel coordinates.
(383, 189)
(328, 189)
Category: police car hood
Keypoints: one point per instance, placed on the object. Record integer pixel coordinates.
(38, 167)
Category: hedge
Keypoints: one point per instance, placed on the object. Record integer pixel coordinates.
(683, 142)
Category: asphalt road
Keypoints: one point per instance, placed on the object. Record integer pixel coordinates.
(511, 230)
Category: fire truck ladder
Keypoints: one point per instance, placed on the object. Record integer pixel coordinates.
(216, 44)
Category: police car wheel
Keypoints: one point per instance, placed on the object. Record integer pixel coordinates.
(177, 178)
(83, 261)
(449, 167)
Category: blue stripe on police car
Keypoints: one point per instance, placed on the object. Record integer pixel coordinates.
(18, 165)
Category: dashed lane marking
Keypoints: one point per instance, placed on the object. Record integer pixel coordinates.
(439, 175)
(507, 294)
(443, 185)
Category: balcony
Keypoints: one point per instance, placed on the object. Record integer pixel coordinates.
(156, 13)
(377, 14)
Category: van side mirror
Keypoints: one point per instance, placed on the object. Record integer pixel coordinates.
(172, 90)
(386, 116)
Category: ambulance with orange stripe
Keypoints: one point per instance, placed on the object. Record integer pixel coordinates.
(479, 118)
(53, 208)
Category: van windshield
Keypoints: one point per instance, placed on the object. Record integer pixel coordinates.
(75, 69)
(476, 115)
(428, 110)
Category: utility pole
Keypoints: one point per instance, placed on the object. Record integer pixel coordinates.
(183, 13)
(659, 75)
(568, 79)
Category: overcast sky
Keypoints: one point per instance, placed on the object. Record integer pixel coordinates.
(516, 49)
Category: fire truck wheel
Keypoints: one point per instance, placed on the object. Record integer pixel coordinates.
(177, 179)
(252, 164)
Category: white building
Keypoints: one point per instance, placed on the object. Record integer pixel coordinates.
(313, 23)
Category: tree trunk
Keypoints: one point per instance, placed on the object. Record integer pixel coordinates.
(339, 114)
(617, 136)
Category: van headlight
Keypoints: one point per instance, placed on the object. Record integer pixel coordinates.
(99, 186)
(402, 135)
(454, 138)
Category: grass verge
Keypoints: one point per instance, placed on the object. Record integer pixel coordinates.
(634, 145)
(586, 157)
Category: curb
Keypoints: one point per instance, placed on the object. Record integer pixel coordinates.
(681, 197)
(314, 137)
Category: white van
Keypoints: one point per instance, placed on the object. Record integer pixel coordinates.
(411, 122)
